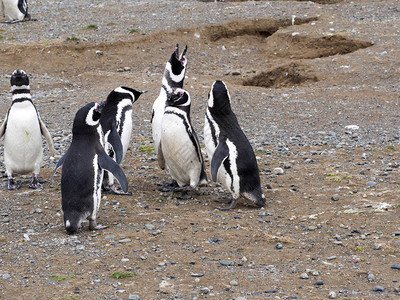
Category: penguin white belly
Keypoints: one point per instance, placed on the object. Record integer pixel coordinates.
(11, 10)
(23, 148)
(156, 123)
(126, 132)
(230, 180)
(97, 182)
(179, 152)
(208, 136)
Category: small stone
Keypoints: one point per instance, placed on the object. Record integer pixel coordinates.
(331, 295)
(379, 288)
(371, 277)
(270, 291)
(278, 246)
(395, 266)
(335, 197)
(98, 52)
(6, 276)
(38, 210)
(371, 183)
(149, 226)
(133, 297)
(124, 241)
(319, 282)
(126, 69)
(196, 274)
(205, 290)
(226, 262)
(304, 276)
(287, 166)
(233, 283)
(278, 171)
(331, 257)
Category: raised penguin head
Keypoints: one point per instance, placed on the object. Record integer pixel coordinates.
(19, 79)
(176, 65)
(219, 99)
(178, 97)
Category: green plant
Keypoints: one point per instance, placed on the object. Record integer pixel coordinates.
(337, 177)
(61, 277)
(122, 274)
(147, 148)
(72, 38)
(133, 30)
(91, 26)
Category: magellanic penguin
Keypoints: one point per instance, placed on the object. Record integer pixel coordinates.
(82, 171)
(179, 148)
(116, 122)
(22, 130)
(174, 75)
(15, 10)
(233, 163)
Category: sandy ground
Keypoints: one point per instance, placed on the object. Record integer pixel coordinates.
(315, 87)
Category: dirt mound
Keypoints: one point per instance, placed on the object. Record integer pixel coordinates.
(282, 76)
(259, 27)
(306, 47)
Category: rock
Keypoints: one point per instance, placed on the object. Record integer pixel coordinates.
(319, 282)
(371, 183)
(332, 295)
(278, 246)
(395, 266)
(133, 297)
(278, 171)
(335, 197)
(149, 226)
(304, 276)
(270, 291)
(371, 277)
(379, 288)
(233, 283)
(226, 262)
(196, 274)
(6, 276)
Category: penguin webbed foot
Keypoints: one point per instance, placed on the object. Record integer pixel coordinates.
(168, 186)
(231, 204)
(94, 226)
(35, 184)
(12, 185)
(116, 189)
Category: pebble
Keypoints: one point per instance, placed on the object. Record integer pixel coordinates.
(233, 283)
(332, 295)
(319, 282)
(133, 297)
(270, 291)
(278, 171)
(371, 277)
(226, 262)
(149, 226)
(278, 246)
(6, 276)
(379, 288)
(304, 276)
(124, 241)
(395, 266)
(196, 274)
(335, 197)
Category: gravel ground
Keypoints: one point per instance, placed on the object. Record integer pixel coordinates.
(325, 130)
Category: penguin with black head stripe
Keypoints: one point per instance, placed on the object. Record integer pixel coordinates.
(179, 147)
(233, 163)
(174, 75)
(82, 172)
(22, 130)
(116, 122)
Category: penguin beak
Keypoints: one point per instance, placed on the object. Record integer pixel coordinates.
(99, 107)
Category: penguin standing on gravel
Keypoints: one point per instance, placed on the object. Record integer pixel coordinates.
(233, 163)
(116, 122)
(179, 148)
(174, 75)
(22, 130)
(82, 172)
(15, 10)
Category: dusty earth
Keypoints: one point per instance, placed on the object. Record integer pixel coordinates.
(315, 86)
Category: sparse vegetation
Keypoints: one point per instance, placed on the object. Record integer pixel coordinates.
(133, 30)
(122, 274)
(61, 277)
(91, 26)
(147, 148)
(72, 38)
(337, 177)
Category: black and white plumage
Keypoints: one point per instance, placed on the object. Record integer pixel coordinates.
(174, 75)
(233, 163)
(116, 122)
(22, 130)
(82, 172)
(180, 149)
(15, 10)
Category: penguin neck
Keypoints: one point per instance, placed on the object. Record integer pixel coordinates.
(21, 93)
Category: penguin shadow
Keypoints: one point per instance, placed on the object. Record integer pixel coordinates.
(175, 191)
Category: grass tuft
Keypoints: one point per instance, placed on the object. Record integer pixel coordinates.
(122, 274)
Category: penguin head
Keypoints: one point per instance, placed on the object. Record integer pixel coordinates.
(19, 79)
(219, 99)
(178, 97)
(87, 117)
(124, 92)
(178, 62)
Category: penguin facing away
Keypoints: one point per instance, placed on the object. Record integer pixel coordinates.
(82, 172)
(179, 147)
(15, 10)
(22, 130)
(174, 75)
(233, 163)
(116, 122)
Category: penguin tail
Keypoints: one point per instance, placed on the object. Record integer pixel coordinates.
(71, 223)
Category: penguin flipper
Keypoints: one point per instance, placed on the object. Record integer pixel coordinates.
(160, 156)
(59, 163)
(47, 135)
(107, 163)
(115, 140)
(3, 126)
(220, 154)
